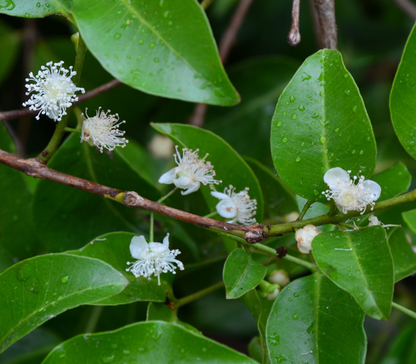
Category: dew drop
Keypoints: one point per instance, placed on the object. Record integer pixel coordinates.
(345, 75)
(292, 99)
(336, 130)
(117, 36)
(301, 108)
(294, 116)
(313, 123)
(305, 76)
(354, 109)
(170, 23)
(27, 15)
(347, 92)
(141, 41)
(315, 192)
(284, 140)
(108, 359)
(65, 279)
(166, 14)
(303, 144)
(315, 115)
(156, 60)
(38, 5)
(152, 45)
(289, 299)
(322, 139)
(295, 316)
(284, 113)
(353, 151)
(298, 159)
(361, 152)
(296, 294)
(279, 123)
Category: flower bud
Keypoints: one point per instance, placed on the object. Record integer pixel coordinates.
(304, 238)
(279, 277)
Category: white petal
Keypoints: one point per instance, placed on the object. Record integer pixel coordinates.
(220, 195)
(374, 189)
(188, 184)
(227, 209)
(336, 177)
(166, 240)
(158, 248)
(139, 247)
(168, 177)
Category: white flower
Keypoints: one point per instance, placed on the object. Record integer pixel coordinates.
(190, 172)
(236, 206)
(102, 130)
(53, 90)
(347, 195)
(304, 238)
(153, 258)
(272, 296)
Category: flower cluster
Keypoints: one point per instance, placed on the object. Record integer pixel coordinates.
(102, 130)
(190, 172)
(152, 258)
(236, 206)
(304, 238)
(53, 91)
(349, 195)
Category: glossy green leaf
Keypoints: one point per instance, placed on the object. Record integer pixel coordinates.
(9, 47)
(145, 342)
(255, 349)
(404, 258)
(17, 237)
(305, 321)
(320, 122)
(228, 165)
(359, 262)
(58, 208)
(35, 8)
(241, 274)
(280, 200)
(164, 48)
(37, 289)
(393, 181)
(114, 249)
(403, 94)
(410, 218)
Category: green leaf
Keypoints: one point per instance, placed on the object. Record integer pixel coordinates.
(359, 262)
(58, 208)
(160, 47)
(9, 47)
(403, 94)
(393, 181)
(281, 201)
(35, 8)
(404, 258)
(241, 274)
(17, 237)
(227, 163)
(313, 321)
(37, 289)
(114, 249)
(320, 122)
(149, 342)
(410, 218)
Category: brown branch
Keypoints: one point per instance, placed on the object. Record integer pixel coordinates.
(294, 37)
(34, 168)
(15, 114)
(408, 7)
(326, 25)
(227, 42)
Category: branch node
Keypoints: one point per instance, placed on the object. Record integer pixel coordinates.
(133, 199)
(255, 235)
(281, 251)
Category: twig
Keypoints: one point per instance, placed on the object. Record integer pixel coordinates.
(327, 27)
(251, 233)
(405, 310)
(294, 37)
(199, 294)
(226, 43)
(15, 114)
(408, 7)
